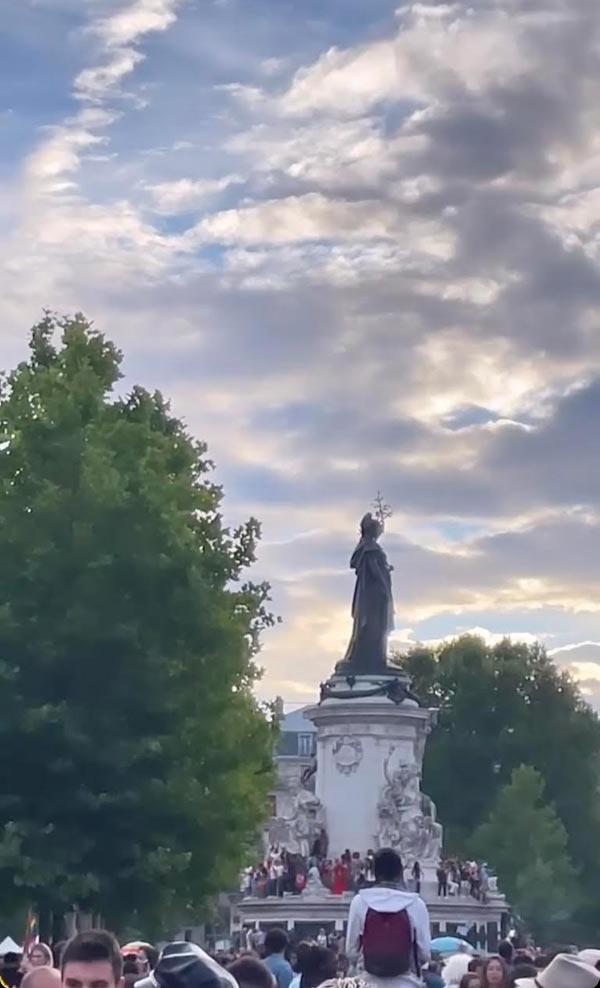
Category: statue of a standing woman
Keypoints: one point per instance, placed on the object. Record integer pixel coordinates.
(372, 606)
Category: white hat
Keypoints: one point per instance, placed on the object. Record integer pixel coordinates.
(589, 956)
(565, 971)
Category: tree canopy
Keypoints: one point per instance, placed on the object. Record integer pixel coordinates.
(501, 707)
(526, 842)
(135, 760)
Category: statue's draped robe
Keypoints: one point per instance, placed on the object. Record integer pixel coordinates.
(372, 610)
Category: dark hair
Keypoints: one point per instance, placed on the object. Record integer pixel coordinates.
(12, 959)
(318, 964)
(506, 950)
(130, 964)
(302, 950)
(95, 945)
(152, 955)
(475, 965)
(249, 972)
(466, 979)
(490, 960)
(275, 942)
(388, 866)
(523, 971)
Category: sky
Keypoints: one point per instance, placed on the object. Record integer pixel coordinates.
(357, 244)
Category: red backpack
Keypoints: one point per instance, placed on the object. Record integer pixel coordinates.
(387, 943)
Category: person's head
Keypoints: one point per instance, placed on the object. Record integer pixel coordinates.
(388, 866)
(370, 528)
(151, 954)
(276, 942)
(522, 971)
(185, 965)
(92, 960)
(131, 971)
(342, 965)
(454, 968)
(590, 956)
(249, 972)
(11, 959)
(470, 980)
(302, 951)
(41, 977)
(506, 951)
(319, 964)
(476, 966)
(40, 955)
(495, 974)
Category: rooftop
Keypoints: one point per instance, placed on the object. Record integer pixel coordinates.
(295, 722)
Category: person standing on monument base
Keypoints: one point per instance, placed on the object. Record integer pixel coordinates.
(389, 927)
(416, 876)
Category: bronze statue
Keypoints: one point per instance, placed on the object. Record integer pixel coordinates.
(372, 605)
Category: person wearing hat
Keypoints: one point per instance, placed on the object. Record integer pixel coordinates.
(565, 971)
(590, 956)
(186, 965)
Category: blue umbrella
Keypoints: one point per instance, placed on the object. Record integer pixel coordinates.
(450, 945)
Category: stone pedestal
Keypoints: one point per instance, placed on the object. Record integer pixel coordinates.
(369, 761)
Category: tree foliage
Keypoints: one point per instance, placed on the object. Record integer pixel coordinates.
(134, 759)
(526, 842)
(502, 707)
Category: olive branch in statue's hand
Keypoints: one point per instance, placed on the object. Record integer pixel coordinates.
(382, 510)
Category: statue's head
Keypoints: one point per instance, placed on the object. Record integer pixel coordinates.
(370, 528)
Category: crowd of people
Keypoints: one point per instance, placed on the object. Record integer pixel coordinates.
(283, 873)
(463, 877)
(387, 945)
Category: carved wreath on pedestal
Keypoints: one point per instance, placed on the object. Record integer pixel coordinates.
(347, 753)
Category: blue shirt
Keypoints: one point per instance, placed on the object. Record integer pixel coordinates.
(280, 969)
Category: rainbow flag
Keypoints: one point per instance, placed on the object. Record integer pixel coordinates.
(32, 932)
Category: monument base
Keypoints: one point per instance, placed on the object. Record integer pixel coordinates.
(484, 923)
(370, 745)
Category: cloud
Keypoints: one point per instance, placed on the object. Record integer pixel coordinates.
(128, 25)
(316, 217)
(359, 253)
(185, 194)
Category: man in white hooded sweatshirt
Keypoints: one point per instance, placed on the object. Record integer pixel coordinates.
(388, 906)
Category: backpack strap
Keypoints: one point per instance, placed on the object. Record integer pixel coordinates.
(416, 954)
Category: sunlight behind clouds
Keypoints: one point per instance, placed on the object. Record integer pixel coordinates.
(358, 254)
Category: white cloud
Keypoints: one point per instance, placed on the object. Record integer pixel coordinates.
(183, 194)
(316, 217)
(428, 56)
(96, 83)
(126, 26)
(391, 281)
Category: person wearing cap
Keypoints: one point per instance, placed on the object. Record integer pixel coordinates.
(564, 971)
(186, 965)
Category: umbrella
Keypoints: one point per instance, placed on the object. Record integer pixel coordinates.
(451, 945)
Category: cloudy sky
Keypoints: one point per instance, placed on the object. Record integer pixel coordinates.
(358, 245)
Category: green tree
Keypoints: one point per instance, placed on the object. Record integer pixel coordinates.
(135, 761)
(502, 707)
(527, 844)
